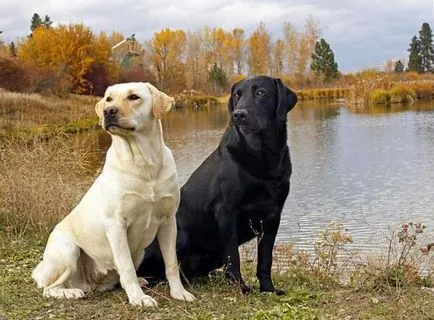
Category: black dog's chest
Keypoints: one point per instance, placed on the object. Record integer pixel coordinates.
(258, 202)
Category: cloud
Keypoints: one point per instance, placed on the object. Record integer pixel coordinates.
(362, 33)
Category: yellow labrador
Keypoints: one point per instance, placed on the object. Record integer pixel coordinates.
(134, 199)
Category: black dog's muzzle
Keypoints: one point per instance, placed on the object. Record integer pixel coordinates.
(240, 117)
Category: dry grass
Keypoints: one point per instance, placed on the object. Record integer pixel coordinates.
(41, 114)
(40, 182)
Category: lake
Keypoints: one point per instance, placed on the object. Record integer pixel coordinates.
(370, 170)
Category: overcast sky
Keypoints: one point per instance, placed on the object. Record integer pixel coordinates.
(362, 33)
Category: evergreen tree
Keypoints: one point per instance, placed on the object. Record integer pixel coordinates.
(323, 61)
(426, 48)
(36, 22)
(415, 59)
(47, 21)
(399, 67)
(12, 50)
(217, 78)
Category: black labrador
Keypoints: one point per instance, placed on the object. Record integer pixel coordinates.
(238, 192)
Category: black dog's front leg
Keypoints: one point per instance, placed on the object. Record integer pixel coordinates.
(231, 257)
(265, 257)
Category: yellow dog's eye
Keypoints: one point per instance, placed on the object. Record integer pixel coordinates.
(133, 97)
(108, 99)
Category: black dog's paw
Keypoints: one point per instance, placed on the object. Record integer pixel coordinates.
(279, 292)
(246, 289)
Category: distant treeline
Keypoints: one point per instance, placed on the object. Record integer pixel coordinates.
(71, 58)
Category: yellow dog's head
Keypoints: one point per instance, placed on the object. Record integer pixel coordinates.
(131, 107)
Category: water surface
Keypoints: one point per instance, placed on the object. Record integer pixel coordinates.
(370, 170)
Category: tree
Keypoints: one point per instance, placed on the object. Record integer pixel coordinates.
(196, 61)
(12, 50)
(71, 51)
(166, 51)
(399, 67)
(47, 22)
(35, 22)
(307, 44)
(277, 58)
(388, 67)
(426, 48)
(259, 45)
(292, 45)
(217, 78)
(323, 61)
(415, 59)
(238, 49)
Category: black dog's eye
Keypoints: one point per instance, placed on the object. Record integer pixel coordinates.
(133, 97)
(108, 99)
(260, 92)
(236, 96)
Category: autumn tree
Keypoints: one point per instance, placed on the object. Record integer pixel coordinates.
(323, 62)
(259, 45)
(196, 72)
(292, 48)
(307, 44)
(388, 67)
(69, 50)
(277, 58)
(237, 50)
(166, 50)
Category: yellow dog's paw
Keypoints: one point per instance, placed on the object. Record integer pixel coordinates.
(143, 301)
(62, 293)
(182, 295)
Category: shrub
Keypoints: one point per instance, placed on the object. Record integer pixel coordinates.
(423, 90)
(379, 96)
(12, 76)
(401, 94)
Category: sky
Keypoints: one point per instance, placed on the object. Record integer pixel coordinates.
(362, 33)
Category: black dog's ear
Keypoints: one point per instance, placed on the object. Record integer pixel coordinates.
(231, 100)
(286, 100)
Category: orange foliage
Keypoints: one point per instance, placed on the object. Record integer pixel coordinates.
(259, 44)
(68, 50)
(166, 50)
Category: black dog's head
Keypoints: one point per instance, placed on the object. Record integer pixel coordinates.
(258, 101)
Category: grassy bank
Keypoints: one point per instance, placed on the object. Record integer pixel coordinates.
(374, 292)
(373, 92)
(41, 181)
(33, 114)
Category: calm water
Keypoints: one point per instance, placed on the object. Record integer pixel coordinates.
(370, 170)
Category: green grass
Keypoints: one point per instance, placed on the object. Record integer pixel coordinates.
(216, 298)
(307, 297)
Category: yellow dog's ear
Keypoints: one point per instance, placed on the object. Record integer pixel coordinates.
(161, 102)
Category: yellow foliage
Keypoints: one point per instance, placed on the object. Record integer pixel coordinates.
(259, 44)
(167, 47)
(70, 50)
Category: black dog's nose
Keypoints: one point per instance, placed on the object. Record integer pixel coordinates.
(239, 116)
(110, 111)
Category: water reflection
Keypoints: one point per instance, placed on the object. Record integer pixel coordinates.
(370, 169)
